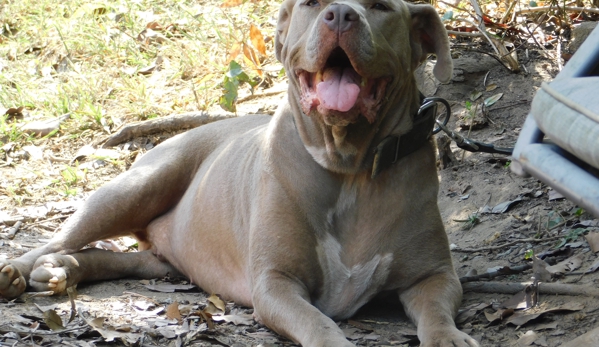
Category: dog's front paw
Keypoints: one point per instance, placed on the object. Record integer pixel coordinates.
(12, 284)
(52, 273)
(448, 338)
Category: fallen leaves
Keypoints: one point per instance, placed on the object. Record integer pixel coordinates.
(501, 207)
(490, 101)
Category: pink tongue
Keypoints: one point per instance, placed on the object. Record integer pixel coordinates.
(338, 91)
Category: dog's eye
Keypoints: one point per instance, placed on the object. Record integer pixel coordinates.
(312, 3)
(380, 7)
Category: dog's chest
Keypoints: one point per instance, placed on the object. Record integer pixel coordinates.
(348, 287)
(356, 269)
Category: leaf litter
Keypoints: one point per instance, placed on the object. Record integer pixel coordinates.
(117, 103)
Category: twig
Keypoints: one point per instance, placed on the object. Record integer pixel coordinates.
(261, 95)
(48, 220)
(501, 272)
(12, 231)
(558, 54)
(487, 53)
(38, 332)
(511, 105)
(168, 123)
(482, 31)
(142, 296)
(464, 33)
(509, 244)
(507, 12)
(566, 8)
(544, 288)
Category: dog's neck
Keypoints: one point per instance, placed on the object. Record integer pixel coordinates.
(351, 149)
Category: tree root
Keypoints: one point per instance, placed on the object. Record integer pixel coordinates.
(544, 288)
(509, 244)
(169, 123)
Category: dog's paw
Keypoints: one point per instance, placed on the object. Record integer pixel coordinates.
(448, 338)
(12, 283)
(51, 273)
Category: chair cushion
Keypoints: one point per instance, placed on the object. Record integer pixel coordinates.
(567, 111)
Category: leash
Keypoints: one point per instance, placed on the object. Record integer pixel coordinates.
(392, 148)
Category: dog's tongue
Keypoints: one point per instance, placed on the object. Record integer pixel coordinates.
(339, 89)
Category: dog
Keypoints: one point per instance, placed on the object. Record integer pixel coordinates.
(304, 216)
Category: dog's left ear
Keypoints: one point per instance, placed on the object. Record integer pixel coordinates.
(429, 36)
(282, 27)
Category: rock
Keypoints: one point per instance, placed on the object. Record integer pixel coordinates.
(579, 34)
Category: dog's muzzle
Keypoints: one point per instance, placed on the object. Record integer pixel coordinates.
(338, 93)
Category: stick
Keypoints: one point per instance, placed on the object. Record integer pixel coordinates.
(12, 231)
(567, 8)
(39, 332)
(544, 288)
(464, 33)
(492, 248)
(482, 30)
(168, 123)
(501, 272)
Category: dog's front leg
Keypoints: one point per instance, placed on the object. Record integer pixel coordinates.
(282, 303)
(432, 304)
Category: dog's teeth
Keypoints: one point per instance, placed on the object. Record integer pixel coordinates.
(318, 76)
(364, 80)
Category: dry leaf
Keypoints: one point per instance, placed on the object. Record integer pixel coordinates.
(231, 3)
(475, 95)
(502, 207)
(233, 53)
(593, 267)
(527, 339)
(546, 326)
(522, 317)
(591, 338)
(217, 302)
(172, 312)
(53, 320)
(567, 265)
(237, 319)
(490, 101)
(169, 288)
(491, 87)
(593, 240)
(250, 59)
(539, 269)
(109, 333)
(524, 299)
(206, 317)
(500, 315)
(469, 312)
(257, 39)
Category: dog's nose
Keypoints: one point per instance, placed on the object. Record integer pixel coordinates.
(340, 17)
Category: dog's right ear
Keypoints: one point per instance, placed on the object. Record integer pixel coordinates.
(282, 27)
(429, 36)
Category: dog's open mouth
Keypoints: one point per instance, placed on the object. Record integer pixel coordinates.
(339, 93)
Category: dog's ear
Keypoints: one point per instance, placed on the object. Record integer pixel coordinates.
(429, 36)
(282, 27)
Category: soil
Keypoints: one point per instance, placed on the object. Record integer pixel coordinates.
(137, 315)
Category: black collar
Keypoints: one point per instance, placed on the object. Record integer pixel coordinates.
(392, 148)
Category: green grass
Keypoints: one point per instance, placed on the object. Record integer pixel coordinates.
(107, 63)
(85, 58)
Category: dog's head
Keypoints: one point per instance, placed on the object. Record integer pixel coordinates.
(350, 64)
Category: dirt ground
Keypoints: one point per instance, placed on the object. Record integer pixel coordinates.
(136, 315)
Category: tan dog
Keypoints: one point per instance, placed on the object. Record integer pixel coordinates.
(283, 213)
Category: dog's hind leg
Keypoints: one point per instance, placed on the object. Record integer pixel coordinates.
(123, 206)
(57, 272)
